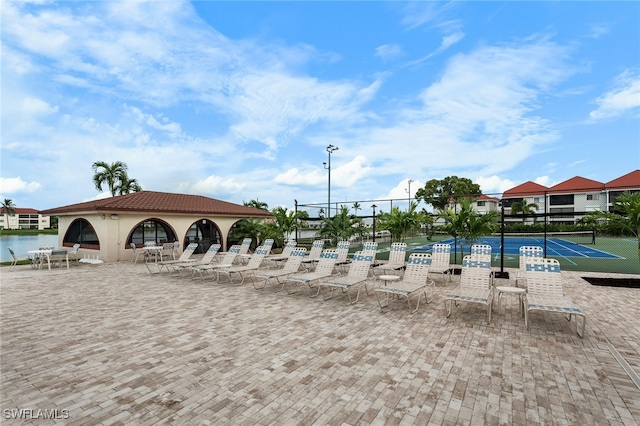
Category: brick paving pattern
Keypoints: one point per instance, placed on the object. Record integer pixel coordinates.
(111, 344)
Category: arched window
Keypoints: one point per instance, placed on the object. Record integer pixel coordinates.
(204, 232)
(80, 231)
(151, 230)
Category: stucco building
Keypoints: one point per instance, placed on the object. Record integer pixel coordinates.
(109, 226)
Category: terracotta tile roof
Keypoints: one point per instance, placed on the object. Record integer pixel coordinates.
(526, 189)
(487, 198)
(577, 184)
(25, 210)
(630, 180)
(160, 202)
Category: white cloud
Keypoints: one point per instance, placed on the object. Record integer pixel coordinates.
(37, 106)
(212, 185)
(622, 99)
(495, 185)
(17, 185)
(390, 51)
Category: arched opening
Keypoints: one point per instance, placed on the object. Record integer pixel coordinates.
(81, 232)
(205, 233)
(151, 230)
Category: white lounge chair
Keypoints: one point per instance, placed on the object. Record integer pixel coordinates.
(396, 263)
(356, 277)
(188, 252)
(324, 269)
(291, 266)
(273, 260)
(528, 254)
(545, 293)
(15, 259)
(441, 260)
(190, 264)
(254, 263)
(414, 281)
(310, 261)
(475, 286)
(227, 261)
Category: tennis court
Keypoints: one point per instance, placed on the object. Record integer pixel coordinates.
(556, 247)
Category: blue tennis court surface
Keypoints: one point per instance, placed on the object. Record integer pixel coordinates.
(555, 247)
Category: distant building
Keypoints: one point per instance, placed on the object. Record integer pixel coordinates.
(24, 218)
(568, 201)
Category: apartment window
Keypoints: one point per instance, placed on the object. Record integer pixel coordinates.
(481, 203)
(593, 197)
(561, 200)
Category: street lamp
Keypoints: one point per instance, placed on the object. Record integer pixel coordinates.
(409, 192)
(374, 222)
(330, 149)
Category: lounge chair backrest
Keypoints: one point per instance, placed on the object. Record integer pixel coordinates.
(257, 257)
(231, 254)
(530, 254)
(327, 262)
(245, 245)
(398, 253)
(475, 273)
(288, 248)
(211, 252)
(149, 243)
(483, 250)
(268, 243)
(295, 259)
(316, 249)
(441, 254)
(188, 251)
(417, 268)
(360, 265)
(343, 250)
(544, 278)
(370, 248)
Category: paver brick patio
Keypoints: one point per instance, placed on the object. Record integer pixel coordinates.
(111, 344)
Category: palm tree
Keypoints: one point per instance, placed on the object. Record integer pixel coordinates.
(400, 222)
(256, 204)
(111, 174)
(248, 228)
(356, 207)
(8, 207)
(126, 185)
(286, 222)
(624, 217)
(340, 227)
(524, 208)
(467, 225)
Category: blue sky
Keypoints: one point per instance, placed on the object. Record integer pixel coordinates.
(239, 100)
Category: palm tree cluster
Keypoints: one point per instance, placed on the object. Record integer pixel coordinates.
(400, 223)
(283, 224)
(466, 225)
(343, 226)
(115, 176)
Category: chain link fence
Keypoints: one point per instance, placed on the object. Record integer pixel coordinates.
(560, 223)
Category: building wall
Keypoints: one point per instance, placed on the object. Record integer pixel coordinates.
(24, 221)
(113, 229)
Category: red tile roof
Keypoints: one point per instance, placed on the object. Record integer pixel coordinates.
(630, 180)
(526, 189)
(25, 210)
(487, 198)
(160, 202)
(577, 184)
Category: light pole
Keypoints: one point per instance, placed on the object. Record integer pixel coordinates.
(409, 192)
(374, 222)
(330, 149)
